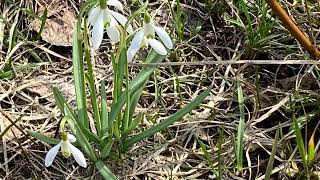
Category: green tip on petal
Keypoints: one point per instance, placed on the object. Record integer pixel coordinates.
(147, 17)
(64, 136)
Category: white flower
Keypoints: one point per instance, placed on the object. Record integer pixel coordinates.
(146, 36)
(67, 149)
(100, 18)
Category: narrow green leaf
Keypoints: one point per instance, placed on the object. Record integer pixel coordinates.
(81, 138)
(165, 123)
(104, 171)
(133, 103)
(60, 101)
(220, 142)
(107, 148)
(311, 150)
(43, 23)
(134, 124)
(271, 159)
(300, 144)
(42, 137)
(241, 128)
(136, 83)
(105, 126)
(78, 74)
(206, 155)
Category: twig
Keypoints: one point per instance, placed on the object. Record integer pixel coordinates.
(293, 28)
(229, 62)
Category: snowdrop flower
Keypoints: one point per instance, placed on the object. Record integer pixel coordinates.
(146, 36)
(67, 149)
(102, 17)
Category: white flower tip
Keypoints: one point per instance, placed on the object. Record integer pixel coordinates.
(78, 155)
(51, 155)
(164, 36)
(158, 46)
(115, 3)
(130, 29)
(130, 56)
(47, 163)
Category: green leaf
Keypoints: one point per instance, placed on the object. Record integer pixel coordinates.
(241, 128)
(300, 143)
(165, 123)
(271, 159)
(207, 156)
(60, 101)
(133, 103)
(42, 137)
(136, 83)
(43, 23)
(78, 73)
(81, 138)
(106, 149)
(134, 124)
(106, 126)
(104, 171)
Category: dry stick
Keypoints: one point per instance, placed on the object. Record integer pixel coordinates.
(293, 28)
(227, 62)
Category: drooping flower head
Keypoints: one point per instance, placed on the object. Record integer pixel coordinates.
(146, 36)
(101, 17)
(67, 149)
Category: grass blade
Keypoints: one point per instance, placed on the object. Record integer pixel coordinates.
(271, 159)
(207, 156)
(300, 144)
(43, 23)
(220, 142)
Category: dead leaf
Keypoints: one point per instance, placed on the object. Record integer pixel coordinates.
(57, 31)
(59, 24)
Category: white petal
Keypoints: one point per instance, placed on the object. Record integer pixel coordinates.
(115, 3)
(157, 46)
(51, 155)
(93, 15)
(135, 45)
(78, 155)
(97, 32)
(72, 138)
(113, 21)
(122, 20)
(165, 38)
(113, 34)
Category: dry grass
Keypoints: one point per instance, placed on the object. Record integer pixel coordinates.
(208, 54)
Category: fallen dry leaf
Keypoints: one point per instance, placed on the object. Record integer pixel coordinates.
(57, 31)
(59, 25)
